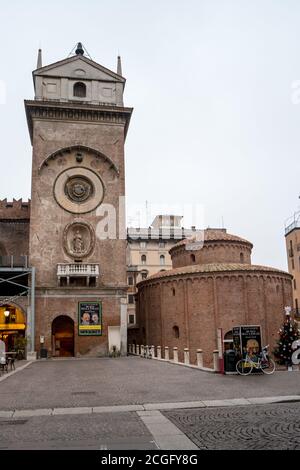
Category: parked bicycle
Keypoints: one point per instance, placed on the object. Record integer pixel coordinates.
(264, 363)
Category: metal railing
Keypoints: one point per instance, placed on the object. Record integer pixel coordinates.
(14, 261)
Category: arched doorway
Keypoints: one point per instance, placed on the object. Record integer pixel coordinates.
(12, 327)
(63, 336)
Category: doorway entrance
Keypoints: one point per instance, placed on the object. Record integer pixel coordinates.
(63, 336)
(12, 328)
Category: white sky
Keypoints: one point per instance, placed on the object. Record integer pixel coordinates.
(215, 122)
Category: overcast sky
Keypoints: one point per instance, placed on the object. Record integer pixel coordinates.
(214, 88)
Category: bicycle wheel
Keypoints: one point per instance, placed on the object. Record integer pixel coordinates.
(243, 367)
(268, 367)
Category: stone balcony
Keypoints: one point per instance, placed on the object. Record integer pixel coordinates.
(78, 274)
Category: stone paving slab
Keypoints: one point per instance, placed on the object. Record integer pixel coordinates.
(165, 433)
(168, 406)
(24, 413)
(226, 402)
(6, 414)
(72, 411)
(117, 408)
(276, 399)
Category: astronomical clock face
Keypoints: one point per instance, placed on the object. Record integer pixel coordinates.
(78, 190)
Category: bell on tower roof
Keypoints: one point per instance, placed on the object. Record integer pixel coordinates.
(79, 49)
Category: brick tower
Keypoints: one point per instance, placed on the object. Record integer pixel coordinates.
(78, 124)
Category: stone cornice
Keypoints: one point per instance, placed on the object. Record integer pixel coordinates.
(76, 112)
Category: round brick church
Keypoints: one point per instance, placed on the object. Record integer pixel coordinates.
(211, 287)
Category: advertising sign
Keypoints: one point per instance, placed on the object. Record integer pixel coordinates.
(89, 318)
(247, 339)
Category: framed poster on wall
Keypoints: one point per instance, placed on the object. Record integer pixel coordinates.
(89, 318)
(247, 340)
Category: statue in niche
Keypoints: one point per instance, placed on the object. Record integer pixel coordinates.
(78, 244)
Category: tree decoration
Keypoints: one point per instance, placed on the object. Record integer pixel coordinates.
(288, 333)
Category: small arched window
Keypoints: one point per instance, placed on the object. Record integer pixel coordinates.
(173, 291)
(79, 90)
(193, 258)
(162, 260)
(241, 257)
(143, 259)
(176, 331)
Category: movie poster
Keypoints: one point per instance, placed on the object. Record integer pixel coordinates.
(90, 318)
(247, 340)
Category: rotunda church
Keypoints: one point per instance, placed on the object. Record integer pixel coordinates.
(212, 287)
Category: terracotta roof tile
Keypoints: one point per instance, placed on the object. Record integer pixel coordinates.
(214, 268)
(213, 235)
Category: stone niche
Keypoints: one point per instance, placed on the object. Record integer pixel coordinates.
(79, 239)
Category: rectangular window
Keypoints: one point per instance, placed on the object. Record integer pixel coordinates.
(296, 305)
(131, 299)
(131, 319)
(161, 244)
(130, 281)
(143, 244)
(295, 287)
(293, 264)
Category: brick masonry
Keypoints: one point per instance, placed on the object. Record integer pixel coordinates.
(200, 302)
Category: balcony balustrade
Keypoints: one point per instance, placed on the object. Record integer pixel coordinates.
(72, 273)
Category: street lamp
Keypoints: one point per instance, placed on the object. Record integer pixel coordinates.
(6, 313)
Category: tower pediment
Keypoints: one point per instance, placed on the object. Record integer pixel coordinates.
(78, 67)
(95, 83)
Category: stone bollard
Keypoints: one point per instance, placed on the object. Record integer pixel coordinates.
(175, 354)
(216, 360)
(199, 358)
(167, 354)
(146, 351)
(129, 348)
(133, 349)
(142, 350)
(158, 352)
(151, 351)
(186, 355)
(138, 349)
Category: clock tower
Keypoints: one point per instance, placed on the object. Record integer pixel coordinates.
(78, 124)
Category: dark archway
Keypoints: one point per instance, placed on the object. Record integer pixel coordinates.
(63, 336)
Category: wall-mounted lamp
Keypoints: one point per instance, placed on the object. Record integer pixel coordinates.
(6, 313)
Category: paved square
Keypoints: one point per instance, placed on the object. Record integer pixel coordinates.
(130, 381)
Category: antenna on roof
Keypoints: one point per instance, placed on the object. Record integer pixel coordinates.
(79, 49)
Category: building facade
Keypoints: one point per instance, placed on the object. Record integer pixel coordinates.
(148, 253)
(210, 289)
(77, 238)
(292, 238)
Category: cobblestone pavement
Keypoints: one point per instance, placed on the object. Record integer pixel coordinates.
(253, 427)
(109, 431)
(130, 380)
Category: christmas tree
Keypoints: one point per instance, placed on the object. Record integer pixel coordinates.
(288, 333)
